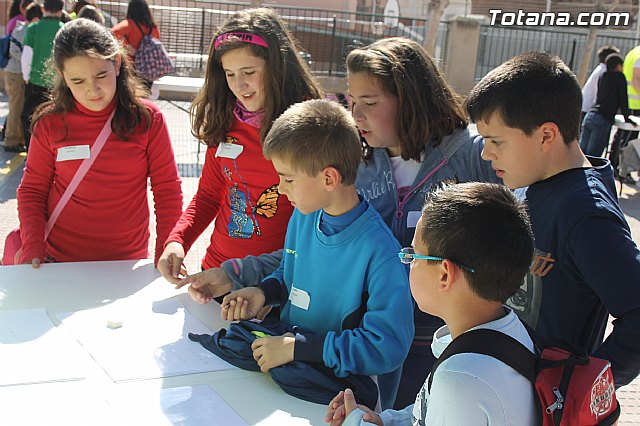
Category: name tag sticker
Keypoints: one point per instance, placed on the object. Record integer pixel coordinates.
(76, 152)
(229, 150)
(299, 298)
(412, 219)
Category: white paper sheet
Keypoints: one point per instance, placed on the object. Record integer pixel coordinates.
(34, 350)
(55, 404)
(151, 343)
(279, 418)
(186, 406)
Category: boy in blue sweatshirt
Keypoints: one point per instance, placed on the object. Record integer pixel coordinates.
(340, 276)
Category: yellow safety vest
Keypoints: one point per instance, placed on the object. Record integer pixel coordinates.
(627, 69)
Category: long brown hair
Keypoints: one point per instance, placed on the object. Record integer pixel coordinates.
(138, 11)
(428, 109)
(83, 37)
(288, 79)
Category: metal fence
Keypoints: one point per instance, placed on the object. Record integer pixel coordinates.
(187, 27)
(498, 44)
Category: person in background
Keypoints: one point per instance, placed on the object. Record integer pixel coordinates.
(90, 12)
(253, 75)
(590, 88)
(14, 84)
(16, 14)
(138, 23)
(78, 5)
(107, 217)
(36, 51)
(612, 97)
(631, 70)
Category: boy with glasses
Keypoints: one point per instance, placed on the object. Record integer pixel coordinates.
(340, 276)
(472, 246)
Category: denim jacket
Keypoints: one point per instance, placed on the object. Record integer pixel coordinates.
(456, 158)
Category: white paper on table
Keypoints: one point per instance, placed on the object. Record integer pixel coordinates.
(279, 417)
(186, 406)
(151, 343)
(34, 350)
(55, 404)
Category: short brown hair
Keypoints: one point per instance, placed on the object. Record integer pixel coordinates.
(528, 90)
(316, 134)
(485, 227)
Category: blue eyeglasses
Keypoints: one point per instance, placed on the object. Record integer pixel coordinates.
(407, 256)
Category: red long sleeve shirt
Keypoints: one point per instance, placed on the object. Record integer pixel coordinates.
(107, 218)
(242, 196)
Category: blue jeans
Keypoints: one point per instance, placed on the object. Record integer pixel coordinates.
(595, 134)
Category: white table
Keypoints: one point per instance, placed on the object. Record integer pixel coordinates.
(74, 287)
(171, 83)
(623, 125)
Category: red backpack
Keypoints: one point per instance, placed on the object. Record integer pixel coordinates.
(573, 388)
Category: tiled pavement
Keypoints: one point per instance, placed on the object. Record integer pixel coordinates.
(190, 164)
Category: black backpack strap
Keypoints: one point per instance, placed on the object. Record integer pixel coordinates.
(491, 343)
(13, 40)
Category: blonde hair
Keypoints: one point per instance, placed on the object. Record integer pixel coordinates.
(316, 134)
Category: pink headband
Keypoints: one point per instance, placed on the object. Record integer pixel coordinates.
(245, 37)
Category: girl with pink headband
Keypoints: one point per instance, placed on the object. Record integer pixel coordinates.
(254, 74)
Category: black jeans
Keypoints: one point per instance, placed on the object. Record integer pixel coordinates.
(34, 95)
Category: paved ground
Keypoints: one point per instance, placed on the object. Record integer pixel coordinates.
(190, 163)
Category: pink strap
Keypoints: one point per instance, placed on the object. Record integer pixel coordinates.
(399, 212)
(80, 173)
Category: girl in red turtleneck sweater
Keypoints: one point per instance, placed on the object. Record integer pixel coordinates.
(253, 74)
(107, 218)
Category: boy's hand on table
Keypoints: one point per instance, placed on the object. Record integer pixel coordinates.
(273, 351)
(242, 304)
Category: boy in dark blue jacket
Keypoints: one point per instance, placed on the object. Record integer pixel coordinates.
(586, 265)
